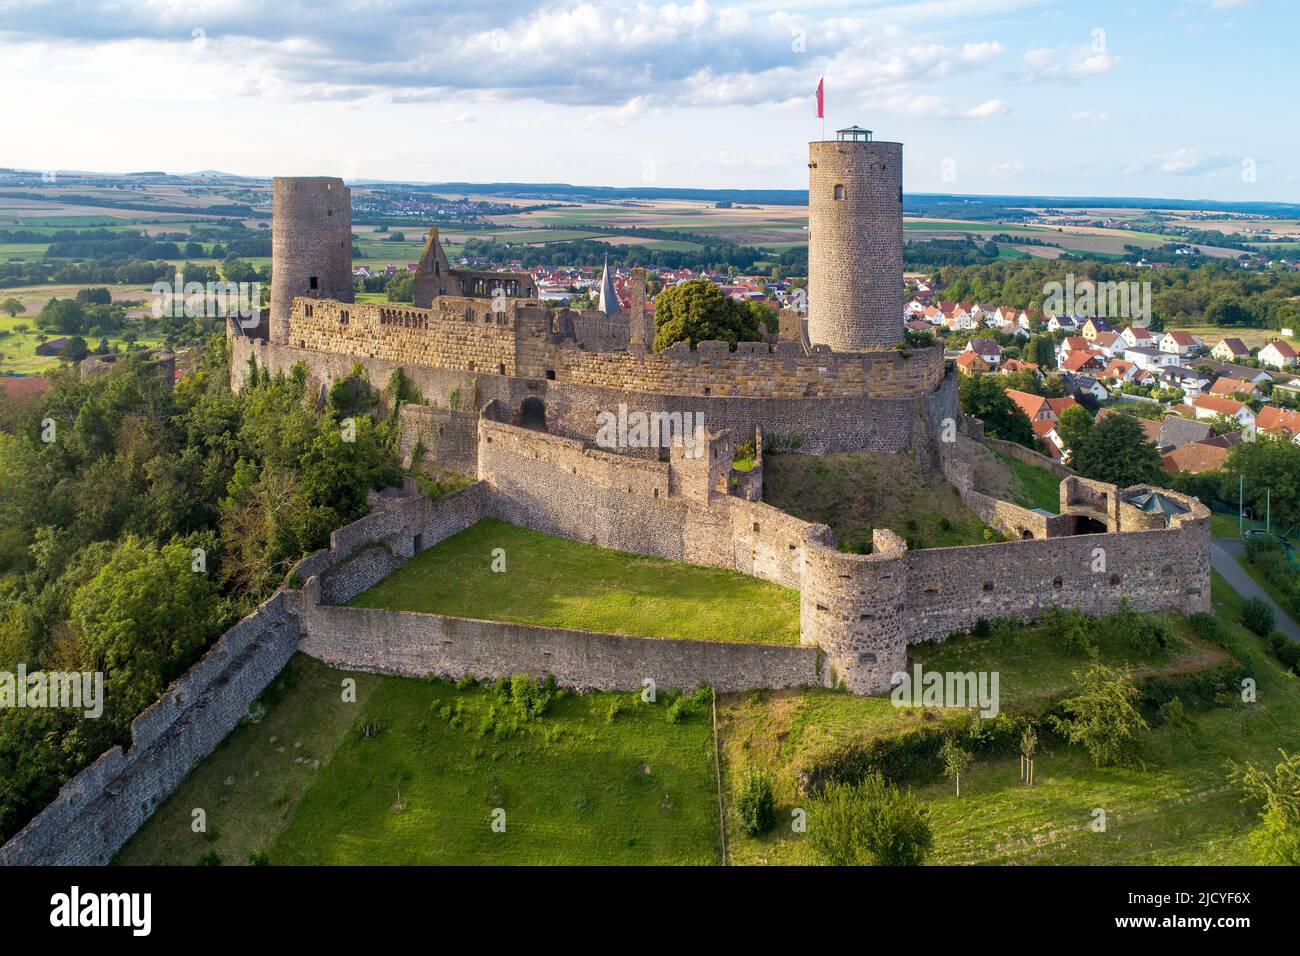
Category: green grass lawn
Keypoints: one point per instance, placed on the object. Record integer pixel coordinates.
(599, 779)
(556, 582)
(1041, 488)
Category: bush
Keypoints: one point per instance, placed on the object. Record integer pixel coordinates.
(871, 824)
(755, 804)
(1257, 615)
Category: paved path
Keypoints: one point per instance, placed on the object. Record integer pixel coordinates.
(1224, 553)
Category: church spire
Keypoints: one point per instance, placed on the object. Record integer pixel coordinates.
(608, 300)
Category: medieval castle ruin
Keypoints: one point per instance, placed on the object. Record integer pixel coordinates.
(514, 395)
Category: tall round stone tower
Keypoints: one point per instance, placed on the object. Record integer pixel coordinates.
(855, 242)
(311, 244)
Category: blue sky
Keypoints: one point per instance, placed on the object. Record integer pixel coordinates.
(1180, 98)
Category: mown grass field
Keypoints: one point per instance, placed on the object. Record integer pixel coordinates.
(599, 779)
(556, 582)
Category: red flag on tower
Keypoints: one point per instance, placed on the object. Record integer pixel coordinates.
(820, 102)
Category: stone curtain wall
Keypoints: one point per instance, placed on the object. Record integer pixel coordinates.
(465, 334)
(448, 437)
(98, 810)
(821, 424)
(366, 551)
(415, 645)
(1029, 456)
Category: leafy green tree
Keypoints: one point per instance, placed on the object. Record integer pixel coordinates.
(956, 761)
(1074, 426)
(1269, 469)
(1277, 842)
(1102, 717)
(875, 823)
(142, 619)
(696, 311)
(11, 307)
(983, 397)
(1116, 450)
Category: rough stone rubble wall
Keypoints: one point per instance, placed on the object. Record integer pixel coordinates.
(822, 424)
(414, 645)
(366, 551)
(466, 334)
(99, 809)
(448, 438)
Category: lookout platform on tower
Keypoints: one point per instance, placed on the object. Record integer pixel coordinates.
(854, 134)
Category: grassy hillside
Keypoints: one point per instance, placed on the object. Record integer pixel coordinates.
(856, 492)
(600, 778)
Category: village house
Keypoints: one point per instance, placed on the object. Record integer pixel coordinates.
(1138, 337)
(1230, 350)
(987, 349)
(1208, 406)
(970, 363)
(1195, 458)
(1230, 387)
(1283, 422)
(1182, 344)
(1278, 354)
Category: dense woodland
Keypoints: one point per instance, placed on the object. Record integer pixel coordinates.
(139, 521)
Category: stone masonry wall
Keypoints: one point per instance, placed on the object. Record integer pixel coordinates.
(822, 424)
(415, 645)
(467, 334)
(99, 809)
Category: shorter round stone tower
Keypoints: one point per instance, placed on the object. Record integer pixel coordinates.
(855, 242)
(311, 244)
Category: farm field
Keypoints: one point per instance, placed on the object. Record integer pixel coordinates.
(556, 582)
(599, 779)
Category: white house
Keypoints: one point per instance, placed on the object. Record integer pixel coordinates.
(1153, 360)
(1138, 337)
(1278, 354)
(1208, 406)
(1179, 343)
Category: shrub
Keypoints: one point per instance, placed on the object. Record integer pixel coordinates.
(1277, 842)
(755, 804)
(874, 823)
(1257, 615)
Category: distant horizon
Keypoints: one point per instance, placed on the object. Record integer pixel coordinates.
(631, 191)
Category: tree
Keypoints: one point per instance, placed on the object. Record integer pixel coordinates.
(1277, 842)
(1074, 426)
(1116, 450)
(983, 397)
(11, 307)
(1269, 468)
(141, 620)
(696, 311)
(874, 823)
(955, 760)
(1102, 717)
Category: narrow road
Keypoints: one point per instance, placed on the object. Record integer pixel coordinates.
(1223, 558)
